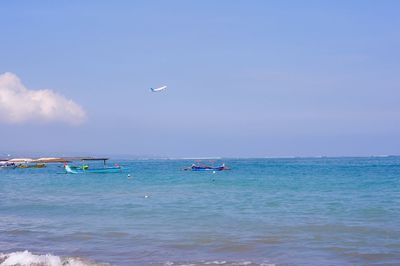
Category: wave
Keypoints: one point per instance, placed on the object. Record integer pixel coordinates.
(26, 258)
(216, 262)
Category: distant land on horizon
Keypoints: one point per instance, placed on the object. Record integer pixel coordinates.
(4, 156)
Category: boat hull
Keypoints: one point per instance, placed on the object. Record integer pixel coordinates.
(8, 167)
(207, 169)
(93, 171)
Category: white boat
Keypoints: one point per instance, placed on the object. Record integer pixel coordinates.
(158, 89)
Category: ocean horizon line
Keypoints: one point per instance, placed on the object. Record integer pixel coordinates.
(138, 157)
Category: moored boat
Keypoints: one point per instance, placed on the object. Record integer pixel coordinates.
(69, 170)
(85, 168)
(7, 165)
(25, 165)
(194, 167)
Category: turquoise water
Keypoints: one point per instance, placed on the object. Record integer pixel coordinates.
(319, 211)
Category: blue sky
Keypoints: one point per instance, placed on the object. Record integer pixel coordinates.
(245, 78)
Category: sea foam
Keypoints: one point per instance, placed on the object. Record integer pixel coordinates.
(26, 258)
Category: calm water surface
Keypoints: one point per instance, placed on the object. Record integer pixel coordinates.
(325, 211)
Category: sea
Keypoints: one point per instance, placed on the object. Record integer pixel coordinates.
(288, 211)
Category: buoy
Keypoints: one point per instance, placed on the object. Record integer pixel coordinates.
(214, 172)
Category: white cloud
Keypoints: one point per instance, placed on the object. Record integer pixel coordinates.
(19, 104)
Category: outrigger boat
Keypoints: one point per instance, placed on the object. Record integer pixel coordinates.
(116, 169)
(206, 168)
(25, 165)
(7, 165)
(86, 169)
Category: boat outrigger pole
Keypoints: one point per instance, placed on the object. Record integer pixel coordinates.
(95, 159)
